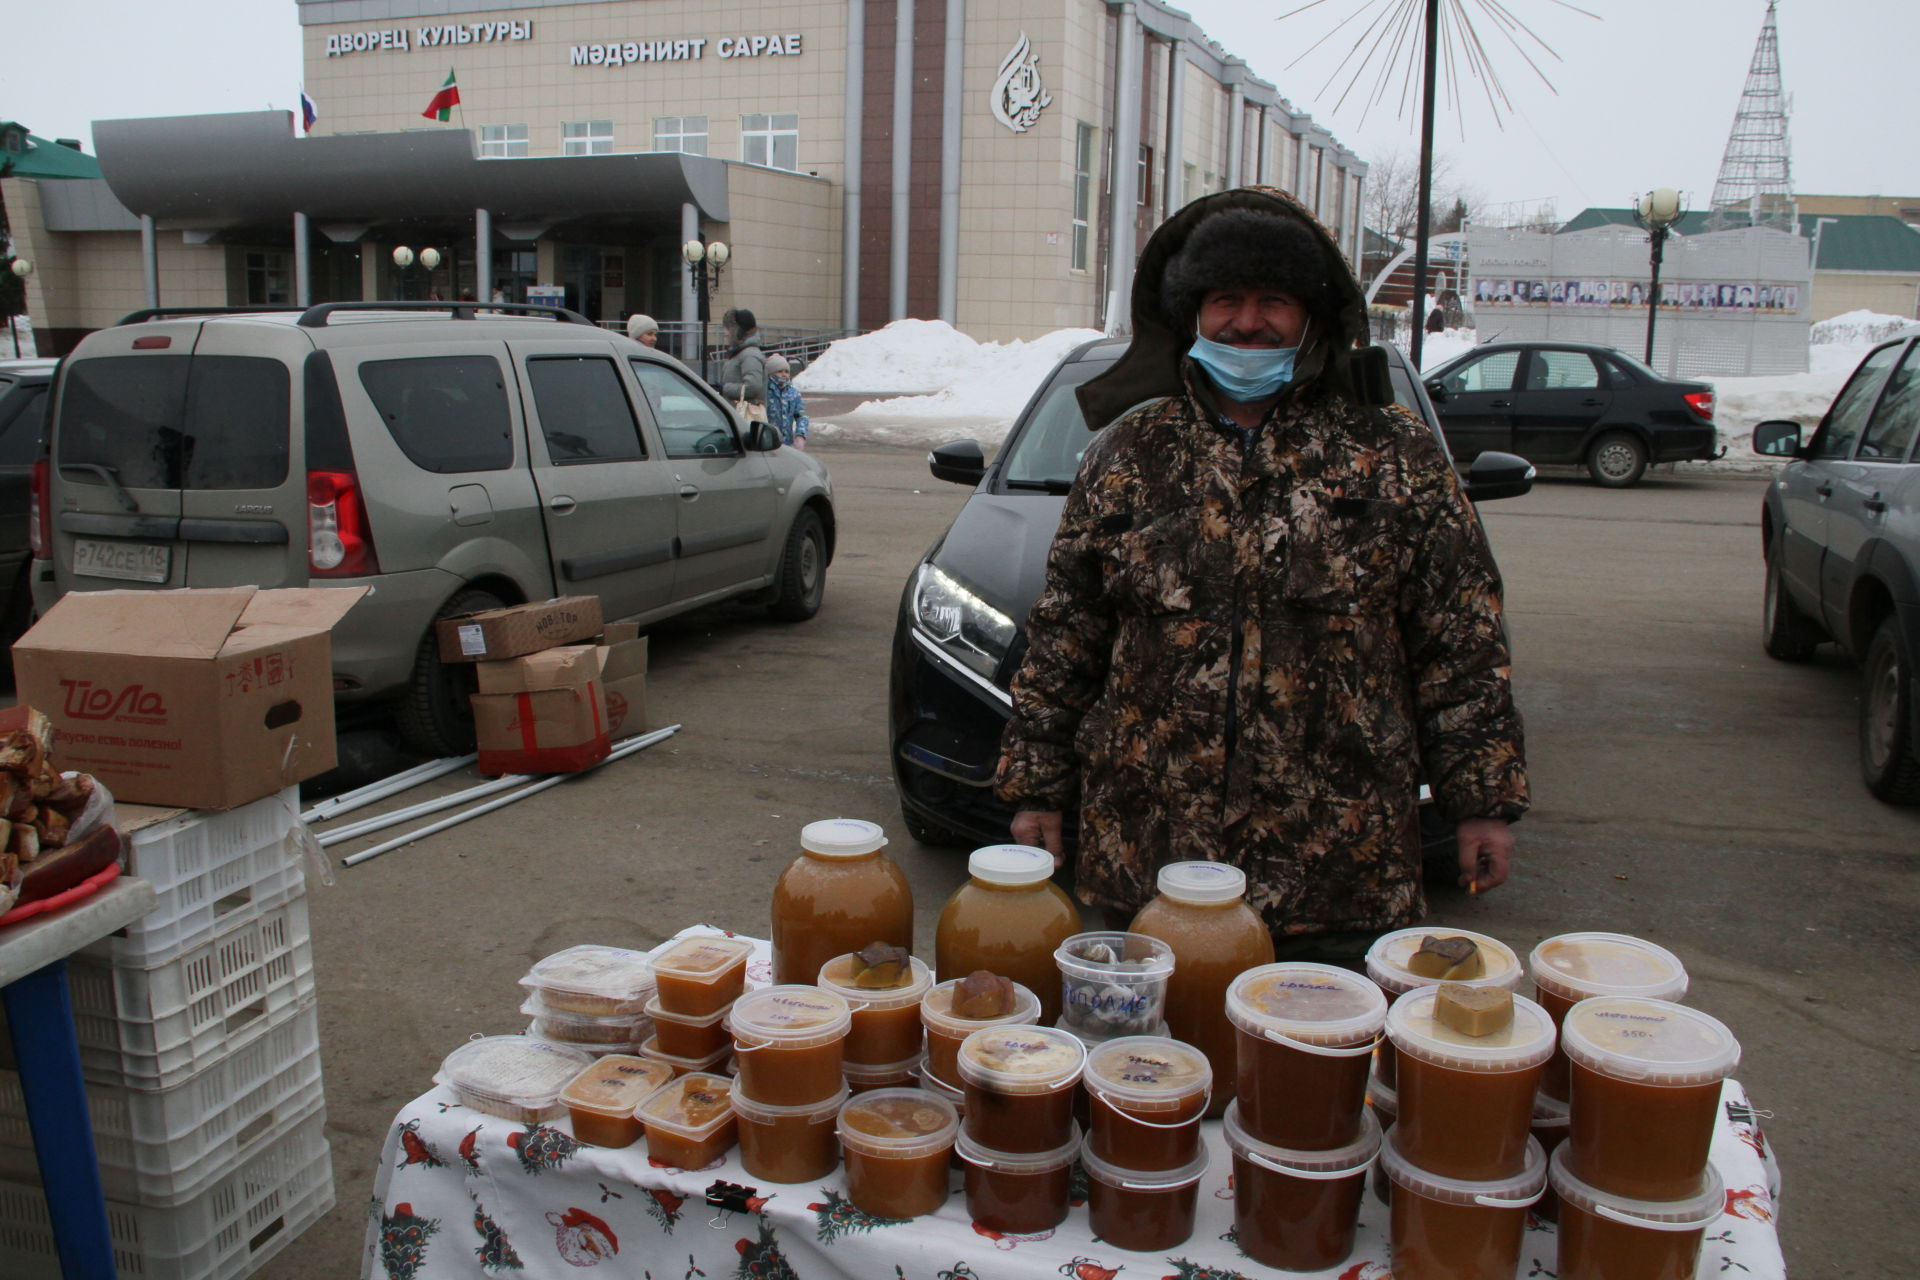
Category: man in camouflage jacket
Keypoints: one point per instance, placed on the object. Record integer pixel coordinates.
(1265, 614)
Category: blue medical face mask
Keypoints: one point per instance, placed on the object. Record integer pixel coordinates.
(1245, 373)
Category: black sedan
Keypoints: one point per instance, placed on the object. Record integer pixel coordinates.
(961, 635)
(1572, 402)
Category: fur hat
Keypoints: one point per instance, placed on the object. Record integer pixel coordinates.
(1245, 248)
(741, 320)
(776, 363)
(638, 326)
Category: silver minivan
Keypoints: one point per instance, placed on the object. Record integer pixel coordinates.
(450, 457)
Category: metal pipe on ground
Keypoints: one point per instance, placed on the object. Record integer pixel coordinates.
(360, 797)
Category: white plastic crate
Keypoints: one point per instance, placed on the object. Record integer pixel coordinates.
(164, 1147)
(209, 872)
(226, 1232)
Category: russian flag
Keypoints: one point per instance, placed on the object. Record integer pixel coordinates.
(308, 112)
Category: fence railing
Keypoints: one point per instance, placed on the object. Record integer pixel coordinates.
(681, 338)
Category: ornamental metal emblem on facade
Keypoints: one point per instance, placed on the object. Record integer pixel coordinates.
(1018, 95)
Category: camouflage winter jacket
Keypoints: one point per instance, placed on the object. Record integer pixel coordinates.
(1248, 655)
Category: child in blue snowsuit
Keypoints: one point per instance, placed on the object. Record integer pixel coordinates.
(785, 409)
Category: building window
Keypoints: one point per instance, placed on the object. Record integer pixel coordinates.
(771, 140)
(687, 134)
(498, 141)
(1145, 183)
(269, 279)
(586, 137)
(1082, 194)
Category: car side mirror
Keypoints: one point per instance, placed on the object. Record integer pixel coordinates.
(960, 461)
(1777, 438)
(762, 437)
(1436, 391)
(1498, 475)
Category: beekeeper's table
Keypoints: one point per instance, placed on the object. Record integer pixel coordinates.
(462, 1194)
(33, 986)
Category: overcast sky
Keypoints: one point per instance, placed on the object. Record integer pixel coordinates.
(1645, 95)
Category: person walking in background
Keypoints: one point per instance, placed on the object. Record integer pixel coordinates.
(644, 330)
(785, 408)
(743, 374)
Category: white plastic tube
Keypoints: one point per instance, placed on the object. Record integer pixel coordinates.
(361, 797)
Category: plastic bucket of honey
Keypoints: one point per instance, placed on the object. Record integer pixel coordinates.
(1298, 1210)
(1146, 1096)
(1645, 1094)
(689, 1035)
(1451, 1229)
(701, 975)
(689, 1120)
(789, 1144)
(1018, 1193)
(945, 1030)
(1579, 966)
(601, 1099)
(1384, 1101)
(1139, 1209)
(1552, 1120)
(1020, 1084)
(1305, 1035)
(1387, 965)
(715, 1062)
(1466, 1102)
(886, 1020)
(890, 1075)
(787, 1042)
(1603, 1236)
(898, 1143)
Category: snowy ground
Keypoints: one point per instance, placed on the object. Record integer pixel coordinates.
(941, 385)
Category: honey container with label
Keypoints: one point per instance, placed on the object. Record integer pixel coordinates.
(789, 1144)
(601, 1099)
(1007, 919)
(1449, 1229)
(1305, 1035)
(1466, 1102)
(1606, 1236)
(787, 1042)
(1298, 1210)
(1146, 1096)
(1020, 1083)
(886, 1019)
(1113, 984)
(1142, 1210)
(1579, 966)
(689, 1121)
(1390, 960)
(840, 894)
(689, 1035)
(702, 974)
(946, 1029)
(1018, 1193)
(897, 1144)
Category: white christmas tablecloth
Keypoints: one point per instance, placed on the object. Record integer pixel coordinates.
(463, 1194)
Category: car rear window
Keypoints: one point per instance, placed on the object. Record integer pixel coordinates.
(21, 409)
(237, 412)
(171, 422)
(447, 413)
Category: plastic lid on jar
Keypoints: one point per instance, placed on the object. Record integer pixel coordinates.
(1144, 1180)
(1306, 1004)
(1336, 1162)
(1578, 966)
(836, 975)
(940, 1088)
(658, 1014)
(1011, 865)
(1021, 1059)
(1692, 1214)
(766, 1113)
(694, 1105)
(901, 1124)
(1649, 1041)
(871, 1075)
(1018, 1162)
(936, 1010)
(702, 959)
(842, 837)
(1525, 1042)
(1137, 958)
(1201, 883)
(615, 1085)
(1148, 1073)
(513, 1070)
(599, 980)
(1516, 1192)
(1387, 960)
(1383, 1098)
(790, 1016)
(1550, 1112)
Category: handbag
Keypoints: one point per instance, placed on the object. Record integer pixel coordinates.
(750, 410)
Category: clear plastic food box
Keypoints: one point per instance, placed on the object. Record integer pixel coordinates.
(602, 982)
(512, 1077)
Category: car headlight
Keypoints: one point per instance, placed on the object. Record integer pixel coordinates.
(965, 627)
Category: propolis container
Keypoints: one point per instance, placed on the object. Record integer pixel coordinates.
(601, 982)
(886, 1020)
(690, 1121)
(789, 1144)
(1125, 996)
(897, 1144)
(602, 1098)
(701, 974)
(1466, 1102)
(689, 1035)
(1142, 1210)
(1020, 1083)
(512, 1077)
(1572, 967)
(1387, 966)
(787, 1041)
(1305, 1035)
(1645, 1094)
(1450, 1229)
(1146, 1098)
(946, 1031)
(1605, 1236)
(840, 894)
(1298, 1210)
(1019, 1193)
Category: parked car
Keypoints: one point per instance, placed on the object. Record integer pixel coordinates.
(1572, 402)
(1840, 530)
(961, 631)
(23, 406)
(453, 458)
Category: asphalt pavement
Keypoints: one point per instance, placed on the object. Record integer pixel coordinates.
(1688, 789)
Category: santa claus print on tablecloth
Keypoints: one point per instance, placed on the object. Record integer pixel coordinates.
(581, 1239)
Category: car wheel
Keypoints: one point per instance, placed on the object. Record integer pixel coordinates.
(1888, 757)
(930, 833)
(1617, 460)
(436, 718)
(1786, 633)
(803, 570)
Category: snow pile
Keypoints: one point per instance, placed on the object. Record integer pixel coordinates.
(1444, 346)
(907, 357)
(1859, 327)
(1739, 404)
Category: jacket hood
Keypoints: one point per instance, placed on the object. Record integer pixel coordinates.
(1152, 365)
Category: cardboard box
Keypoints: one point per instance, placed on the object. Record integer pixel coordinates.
(623, 684)
(562, 667)
(205, 699)
(518, 629)
(541, 713)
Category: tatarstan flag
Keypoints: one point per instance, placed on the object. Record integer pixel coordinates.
(441, 108)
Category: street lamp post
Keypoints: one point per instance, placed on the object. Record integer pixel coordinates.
(404, 257)
(704, 263)
(21, 269)
(1657, 211)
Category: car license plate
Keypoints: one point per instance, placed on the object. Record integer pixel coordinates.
(127, 561)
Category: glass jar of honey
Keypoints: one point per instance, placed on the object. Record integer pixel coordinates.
(1305, 1034)
(1466, 1102)
(840, 894)
(1146, 1096)
(787, 1043)
(886, 1020)
(789, 1144)
(1389, 965)
(1450, 1229)
(1007, 919)
(946, 1030)
(897, 1143)
(1020, 1083)
(1298, 1210)
(1202, 913)
(1579, 966)
(1602, 1236)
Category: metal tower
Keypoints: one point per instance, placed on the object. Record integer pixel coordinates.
(1755, 187)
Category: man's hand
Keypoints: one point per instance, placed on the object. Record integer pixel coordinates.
(1041, 829)
(1486, 847)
